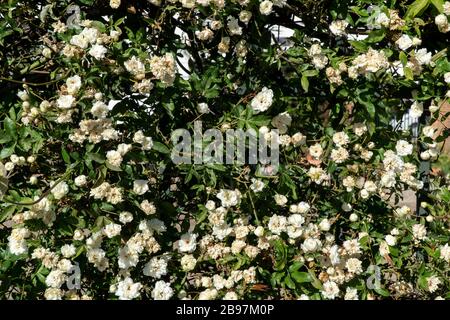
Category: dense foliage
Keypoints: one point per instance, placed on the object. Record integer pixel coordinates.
(91, 91)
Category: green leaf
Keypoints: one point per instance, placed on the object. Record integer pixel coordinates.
(439, 5)
(10, 127)
(160, 147)
(417, 8)
(365, 99)
(289, 283)
(6, 152)
(382, 292)
(301, 277)
(5, 214)
(65, 155)
(113, 168)
(3, 186)
(4, 137)
(305, 83)
(359, 46)
(408, 73)
(280, 255)
(376, 36)
(96, 157)
(295, 266)
(403, 58)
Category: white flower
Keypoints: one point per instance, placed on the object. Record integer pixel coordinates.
(388, 179)
(230, 295)
(359, 129)
(114, 4)
(60, 190)
(210, 205)
(341, 139)
(80, 41)
(125, 217)
(265, 7)
(433, 283)
(53, 294)
(189, 4)
(447, 77)
(330, 290)
(187, 242)
(416, 109)
(98, 51)
(303, 207)
(335, 259)
(339, 155)
(222, 231)
(422, 56)
(73, 84)
(280, 200)
(372, 61)
(55, 279)
(65, 265)
(419, 231)
(204, 35)
(354, 265)
(111, 230)
(433, 107)
(337, 27)
(282, 122)
(316, 151)
(277, 224)
(80, 181)
(148, 207)
(311, 245)
(245, 16)
(262, 101)
(445, 252)
(257, 185)
(65, 101)
(298, 139)
(127, 289)
(162, 291)
(404, 42)
(114, 158)
(23, 95)
(446, 8)
(296, 220)
(352, 246)
(428, 131)
(351, 294)
(208, 294)
(156, 267)
(99, 109)
(441, 21)
(164, 68)
(229, 198)
(140, 187)
(403, 148)
(135, 67)
(90, 34)
(68, 250)
(203, 108)
(390, 240)
(325, 225)
(188, 262)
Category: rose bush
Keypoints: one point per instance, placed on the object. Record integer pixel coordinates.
(91, 94)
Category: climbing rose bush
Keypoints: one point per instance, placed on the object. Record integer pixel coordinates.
(93, 207)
